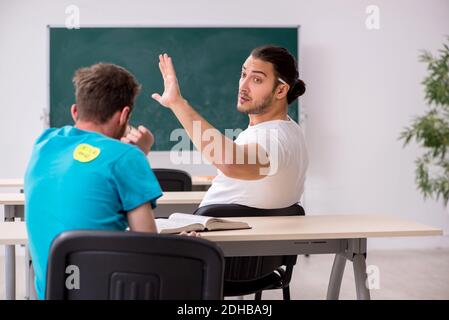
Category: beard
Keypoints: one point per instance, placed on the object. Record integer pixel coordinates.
(257, 107)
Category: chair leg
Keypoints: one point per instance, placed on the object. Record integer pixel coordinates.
(258, 295)
(286, 292)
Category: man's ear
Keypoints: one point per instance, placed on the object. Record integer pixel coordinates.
(124, 115)
(74, 112)
(282, 90)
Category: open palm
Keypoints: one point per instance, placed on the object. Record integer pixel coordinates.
(172, 93)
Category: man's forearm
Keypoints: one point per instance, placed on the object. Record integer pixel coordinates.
(200, 131)
(233, 160)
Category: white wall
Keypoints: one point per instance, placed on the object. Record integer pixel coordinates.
(363, 87)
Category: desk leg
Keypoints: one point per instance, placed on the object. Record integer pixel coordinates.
(360, 277)
(10, 274)
(338, 269)
(10, 261)
(355, 251)
(32, 292)
(27, 272)
(19, 212)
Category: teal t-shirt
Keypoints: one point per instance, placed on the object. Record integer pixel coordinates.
(78, 180)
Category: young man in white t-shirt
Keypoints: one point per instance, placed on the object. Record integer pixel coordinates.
(265, 166)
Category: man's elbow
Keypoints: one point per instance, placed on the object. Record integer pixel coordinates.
(242, 172)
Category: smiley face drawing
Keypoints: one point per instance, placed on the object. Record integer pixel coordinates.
(86, 153)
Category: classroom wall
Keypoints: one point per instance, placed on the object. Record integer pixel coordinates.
(363, 87)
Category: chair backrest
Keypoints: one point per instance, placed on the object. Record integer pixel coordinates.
(173, 179)
(117, 265)
(250, 268)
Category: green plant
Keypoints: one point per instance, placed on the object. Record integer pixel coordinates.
(431, 131)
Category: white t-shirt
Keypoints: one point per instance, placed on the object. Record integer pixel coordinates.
(284, 142)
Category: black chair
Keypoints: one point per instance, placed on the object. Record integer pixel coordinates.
(173, 179)
(116, 265)
(246, 275)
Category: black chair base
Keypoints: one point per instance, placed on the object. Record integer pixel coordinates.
(247, 275)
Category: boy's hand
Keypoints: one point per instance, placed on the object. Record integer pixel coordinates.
(190, 234)
(141, 137)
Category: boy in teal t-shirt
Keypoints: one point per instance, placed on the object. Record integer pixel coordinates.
(83, 177)
(81, 180)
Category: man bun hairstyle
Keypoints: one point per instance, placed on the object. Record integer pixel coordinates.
(285, 68)
(296, 91)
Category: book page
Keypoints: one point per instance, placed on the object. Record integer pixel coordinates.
(210, 223)
(224, 224)
(189, 218)
(171, 226)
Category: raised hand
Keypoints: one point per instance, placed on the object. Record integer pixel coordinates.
(172, 94)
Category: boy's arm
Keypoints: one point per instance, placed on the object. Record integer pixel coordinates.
(141, 219)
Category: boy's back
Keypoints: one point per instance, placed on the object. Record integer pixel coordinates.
(80, 179)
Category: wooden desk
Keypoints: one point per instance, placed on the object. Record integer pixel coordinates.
(14, 208)
(182, 197)
(342, 235)
(202, 180)
(172, 197)
(13, 233)
(18, 183)
(11, 183)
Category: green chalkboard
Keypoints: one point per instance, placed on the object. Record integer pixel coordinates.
(207, 60)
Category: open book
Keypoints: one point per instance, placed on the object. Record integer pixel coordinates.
(178, 222)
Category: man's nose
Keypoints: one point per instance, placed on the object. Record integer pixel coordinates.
(244, 85)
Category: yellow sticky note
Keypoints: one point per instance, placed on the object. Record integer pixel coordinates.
(85, 153)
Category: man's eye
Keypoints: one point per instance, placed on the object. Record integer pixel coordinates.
(242, 75)
(257, 80)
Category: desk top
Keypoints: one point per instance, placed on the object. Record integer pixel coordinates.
(182, 197)
(310, 227)
(202, 180)
(18, 183)
(11, 183)
(13, 233)
(171, 197)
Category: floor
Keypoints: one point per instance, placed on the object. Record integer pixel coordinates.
(393, 274)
